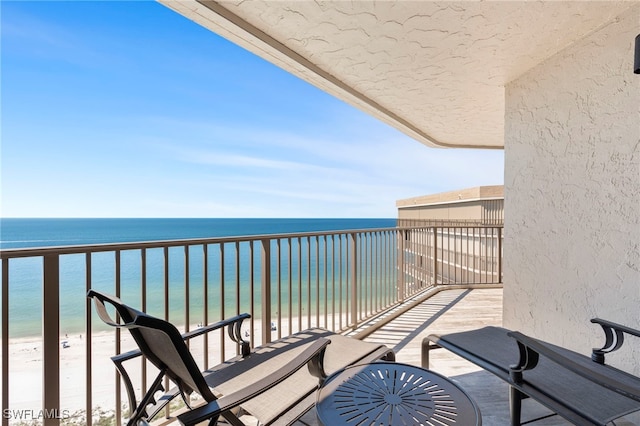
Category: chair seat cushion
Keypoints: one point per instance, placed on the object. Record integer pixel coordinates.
(550, 383)
(238, 372)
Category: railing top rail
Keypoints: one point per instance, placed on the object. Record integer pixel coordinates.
(453, 225)
(94, 248)
(449, 222)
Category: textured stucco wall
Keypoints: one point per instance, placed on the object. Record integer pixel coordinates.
(572, 193)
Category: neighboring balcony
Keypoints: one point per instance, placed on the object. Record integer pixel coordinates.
(55, 353)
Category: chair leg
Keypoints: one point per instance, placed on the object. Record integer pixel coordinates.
(515, 405)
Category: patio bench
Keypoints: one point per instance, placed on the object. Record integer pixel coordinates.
(581, 389)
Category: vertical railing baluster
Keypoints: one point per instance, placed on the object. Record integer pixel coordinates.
(423, 257)
(252, 295)
(354, 279)
(489, 255)
(476, 248)
(375, 264)
(118, 345)
(279, 278)
(222, 301)
(340, 292)
(290, 282)
(205, 302)
(237, 290)
(378, 265)
(333, 282)
(362, 275)
(5, 340)
(499, 255)
(265, 281)
(435, 256)
(369, 266)
(87, 342)
(370, 260)
(456, 256)
(387, 266)
(317, 281)
(494, 245)
(382, 282)
(299, 284)
(308, 282)
(401, 265)
(393, 261)
(484, 257)
(466, 257)
(326, 285)
(347, 279)
(376, 271)
(187, 318)
(143, 296)
(165, 277)
(448, 255)
(385, 275)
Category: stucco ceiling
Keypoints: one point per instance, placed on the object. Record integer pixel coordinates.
(434, 70)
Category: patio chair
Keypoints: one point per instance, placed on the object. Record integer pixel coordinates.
(268, 383)
(582, 389)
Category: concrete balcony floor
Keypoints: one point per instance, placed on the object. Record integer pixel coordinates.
(453, 311)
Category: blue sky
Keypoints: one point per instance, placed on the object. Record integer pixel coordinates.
(127, 109)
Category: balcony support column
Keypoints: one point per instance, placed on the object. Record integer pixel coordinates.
(51, 340)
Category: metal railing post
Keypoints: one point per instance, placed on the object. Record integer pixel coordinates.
(500, 255)
(88, 341)
(50, 340)
(265, 269)
(5, 340)
(435, 256)
(353, 239)
(401, 266)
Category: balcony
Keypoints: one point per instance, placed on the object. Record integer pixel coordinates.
(374, 284)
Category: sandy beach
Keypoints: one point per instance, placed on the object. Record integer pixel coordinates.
(25, 366)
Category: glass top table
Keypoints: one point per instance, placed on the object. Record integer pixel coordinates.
(390, 393)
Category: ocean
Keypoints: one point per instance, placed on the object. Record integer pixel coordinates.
(24, 233)
(25, 289)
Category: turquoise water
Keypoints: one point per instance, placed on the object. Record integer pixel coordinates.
(22, 233)
(25, 289)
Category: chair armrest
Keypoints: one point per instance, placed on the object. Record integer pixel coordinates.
(234, 323)
(215, 326)
(236, 320)
(531, 349)
(227, 402)
(614, 338)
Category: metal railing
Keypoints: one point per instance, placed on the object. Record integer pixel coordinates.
(434, 255)
(287, 283)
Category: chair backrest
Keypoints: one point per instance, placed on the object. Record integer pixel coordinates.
(159, 341)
